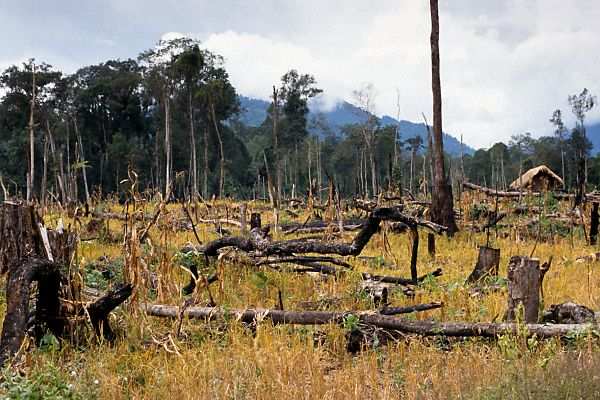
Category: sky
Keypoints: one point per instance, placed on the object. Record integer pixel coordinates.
(506, 65)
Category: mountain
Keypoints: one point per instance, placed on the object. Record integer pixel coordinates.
(254, 112)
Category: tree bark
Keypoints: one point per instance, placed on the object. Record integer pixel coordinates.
(524, 283)
(442, 210)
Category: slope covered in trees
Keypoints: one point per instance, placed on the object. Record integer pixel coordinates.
(172, 115)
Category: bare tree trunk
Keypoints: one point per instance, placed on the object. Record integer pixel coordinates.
(31, 175)
(167, 146)
(373, 172)
(57, 166)
(193, 162)
(82, 161)
(45, 174)
(221, 151)
(276, 151)
(442, 209)
(205, 189)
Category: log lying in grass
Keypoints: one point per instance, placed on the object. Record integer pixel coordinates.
(589, 258)
(592, 197)
(258, 243)
(410, 309)
(322, 226)
(425, 328)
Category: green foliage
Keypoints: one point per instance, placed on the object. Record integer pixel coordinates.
(351, 323)
(48, 383)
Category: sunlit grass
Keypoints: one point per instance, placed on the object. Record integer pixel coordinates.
(217, 361)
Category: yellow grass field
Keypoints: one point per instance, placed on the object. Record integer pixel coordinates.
(152, 360)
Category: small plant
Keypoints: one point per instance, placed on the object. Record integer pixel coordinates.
(46, 384)
(351, 322)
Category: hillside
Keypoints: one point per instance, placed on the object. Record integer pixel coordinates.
(593, 133)
(254, 113)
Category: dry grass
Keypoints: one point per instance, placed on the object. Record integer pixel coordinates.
(231, 362)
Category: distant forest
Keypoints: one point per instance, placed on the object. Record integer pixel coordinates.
(172, 119)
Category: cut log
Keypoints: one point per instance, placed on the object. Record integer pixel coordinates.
(425, 328)
(487, 265)
(524, 282)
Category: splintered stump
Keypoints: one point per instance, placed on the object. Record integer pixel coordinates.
(36, 261)
(29, 253)
(524, 285)
(487, 264)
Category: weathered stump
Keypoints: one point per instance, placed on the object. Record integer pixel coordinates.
(31, 254)
(487, 264)
(431, 244)
(594, 223)
(524, 283)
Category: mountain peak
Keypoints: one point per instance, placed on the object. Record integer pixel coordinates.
(254, 112)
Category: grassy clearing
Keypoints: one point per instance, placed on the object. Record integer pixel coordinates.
(229, 361)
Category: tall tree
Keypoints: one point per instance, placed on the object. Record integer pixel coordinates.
(365, 100)
(442, 207)
(580, 105)
(190, 65)
(559, 131)
(160, 77)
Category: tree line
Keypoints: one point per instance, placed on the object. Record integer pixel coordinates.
(172, 117)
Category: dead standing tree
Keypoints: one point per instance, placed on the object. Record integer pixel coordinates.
(442, 211)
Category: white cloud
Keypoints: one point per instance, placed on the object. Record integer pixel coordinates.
(506, 64)
(501, 74)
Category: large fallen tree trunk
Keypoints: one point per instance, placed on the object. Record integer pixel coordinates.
(501, 193)
(259, 243)
(425, 328)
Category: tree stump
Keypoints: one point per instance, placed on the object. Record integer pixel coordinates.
(594, 222)
(30, 253)
(431, 244)
(524, 283)
(487, 264)
(34, 257)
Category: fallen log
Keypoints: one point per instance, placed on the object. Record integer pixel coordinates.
(592, 197)
(425, 328)
(258, 243)
(410, 309)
